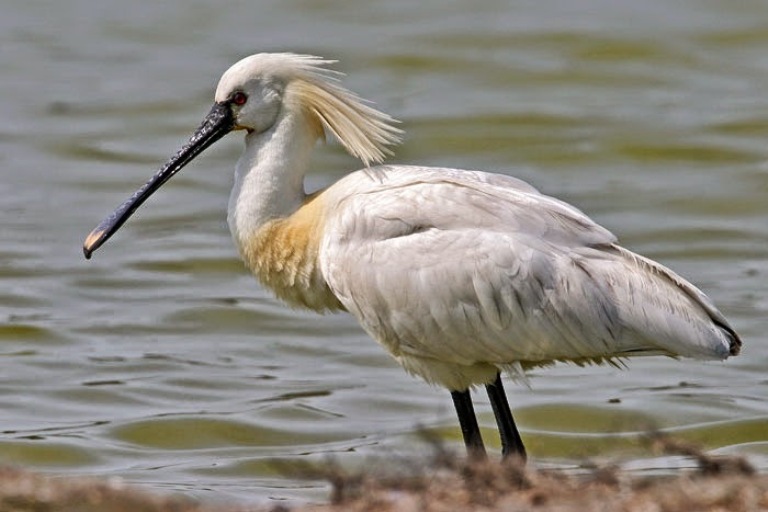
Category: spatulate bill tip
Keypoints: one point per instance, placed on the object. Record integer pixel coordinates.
(92, 242)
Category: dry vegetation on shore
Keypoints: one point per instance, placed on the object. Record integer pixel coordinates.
(449, 484)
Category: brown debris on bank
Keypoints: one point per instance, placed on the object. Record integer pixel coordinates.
(719, 483)
(22, 491)
(448, 484)
(484, 489)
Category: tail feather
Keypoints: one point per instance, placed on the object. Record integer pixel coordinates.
(731, 342)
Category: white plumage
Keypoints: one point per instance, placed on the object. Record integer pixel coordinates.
(458, 274)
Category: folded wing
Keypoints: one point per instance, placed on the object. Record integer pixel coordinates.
(470, 268)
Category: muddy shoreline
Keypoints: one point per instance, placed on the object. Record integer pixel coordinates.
(448, 483)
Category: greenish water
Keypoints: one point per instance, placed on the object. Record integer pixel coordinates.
(162, 361)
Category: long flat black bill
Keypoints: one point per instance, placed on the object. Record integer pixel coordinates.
(216, 124)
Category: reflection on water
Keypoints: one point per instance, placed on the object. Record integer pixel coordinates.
(164, 362)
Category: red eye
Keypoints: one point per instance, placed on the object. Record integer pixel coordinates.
(239, 98)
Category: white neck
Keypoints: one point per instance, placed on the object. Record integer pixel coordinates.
(269, 178)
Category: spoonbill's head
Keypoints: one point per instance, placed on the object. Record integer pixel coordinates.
(254, 95)
(253, 90)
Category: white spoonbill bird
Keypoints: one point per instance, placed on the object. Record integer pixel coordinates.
(459, 274)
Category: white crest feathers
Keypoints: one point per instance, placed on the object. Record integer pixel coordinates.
(364, 131)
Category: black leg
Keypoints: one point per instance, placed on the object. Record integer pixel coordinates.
(511, 443)
(468, 421)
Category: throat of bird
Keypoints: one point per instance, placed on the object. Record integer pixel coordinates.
(276, 226)
(269, 177)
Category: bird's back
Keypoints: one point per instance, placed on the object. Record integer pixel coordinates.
(454, 269)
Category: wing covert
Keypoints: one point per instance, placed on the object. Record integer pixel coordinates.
(480, 263)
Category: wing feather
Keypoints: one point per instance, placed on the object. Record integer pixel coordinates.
(463, 269)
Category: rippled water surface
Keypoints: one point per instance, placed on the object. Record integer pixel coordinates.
(162, 361)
